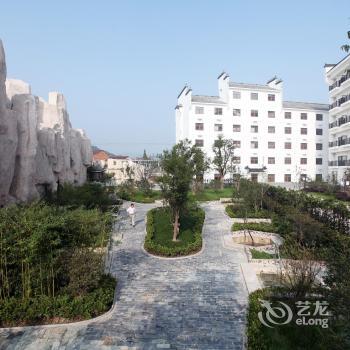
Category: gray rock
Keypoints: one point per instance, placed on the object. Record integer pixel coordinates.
(38, 146)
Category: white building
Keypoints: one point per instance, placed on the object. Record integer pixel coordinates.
(276, 141)
(122, 167)
(338, 78)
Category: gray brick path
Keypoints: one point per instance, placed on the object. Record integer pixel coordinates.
(192, 303)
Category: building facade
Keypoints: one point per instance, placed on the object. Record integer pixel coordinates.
(275, 141)
(338, 79)
(123, 168)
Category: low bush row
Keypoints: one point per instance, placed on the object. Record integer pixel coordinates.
(254, 226)
(238, 211)
(158, 239)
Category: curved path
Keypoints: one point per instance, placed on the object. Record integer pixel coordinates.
(192, 303)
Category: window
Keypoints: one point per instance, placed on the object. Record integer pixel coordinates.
(287, 145)
(114, 162)
(319, 161)
(236, 95)
(217, 127)
(270, 177)
(303, 161)
(254, 128)
(318, 177)
(236, 112)
(236, 160)
(236, 144)
(236, 128)
(271, 160)
(319, 146)
(319, 131)
(271, 97)
(271, 114)
(271, 129)
(199, 143)
(303, 131)
(271, 144)
(287, 115)
(254, 177)
(254, 144)
(303, 145)
(303, 177)
(199, 126)
(319, 117)
(287, 160)
(199, 110)
(217, 111)
(303, 116)
(287, 130)
(254, 113)
(287, 178)
(254, 96)
(253, 160)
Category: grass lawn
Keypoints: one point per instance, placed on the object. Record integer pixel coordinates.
(257, 254)
(236, 211)
(258, 226)
(140, 197)
(322, 195)
(210, 194)
(160, 232)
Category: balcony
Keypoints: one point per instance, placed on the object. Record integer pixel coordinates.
(340, 101)
(339, 142)
(339, 82)
(339, 162)
(340, 121)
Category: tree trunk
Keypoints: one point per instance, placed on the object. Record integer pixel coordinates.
(221, 182)
(176, 225)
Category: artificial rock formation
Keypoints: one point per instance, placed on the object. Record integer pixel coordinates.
(38, 146)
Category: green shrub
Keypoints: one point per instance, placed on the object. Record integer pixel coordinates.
(257, 254)
(159, 232)
(238, 211)
(254, 226)
(42, 309)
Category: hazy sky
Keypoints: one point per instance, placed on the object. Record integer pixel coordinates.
(121, 64)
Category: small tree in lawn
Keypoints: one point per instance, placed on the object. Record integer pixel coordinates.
(223, 158)
(178, 168)
(201, 165)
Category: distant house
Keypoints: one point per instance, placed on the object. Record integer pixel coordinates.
(123, 168)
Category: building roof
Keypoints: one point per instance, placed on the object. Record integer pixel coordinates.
(306, 105)
(335, 65)
(251, 86)
(113, 156)
(207, 99)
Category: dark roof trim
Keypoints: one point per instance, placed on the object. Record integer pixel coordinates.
(271, 80)
(184, 88)
(338, 62)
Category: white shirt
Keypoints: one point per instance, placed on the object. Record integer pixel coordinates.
(131, 210)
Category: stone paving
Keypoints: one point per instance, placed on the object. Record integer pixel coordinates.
(197, 302)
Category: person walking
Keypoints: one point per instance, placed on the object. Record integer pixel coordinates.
(132, 212)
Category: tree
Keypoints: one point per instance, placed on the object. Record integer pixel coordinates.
(145, 157)
(201, 165)
(178, 166)
(223, 158)
(346, 47)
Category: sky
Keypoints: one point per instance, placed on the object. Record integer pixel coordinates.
(121, 64)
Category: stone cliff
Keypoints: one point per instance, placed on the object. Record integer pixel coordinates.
(38, 146)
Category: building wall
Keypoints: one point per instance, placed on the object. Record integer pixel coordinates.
(338, 79)
(186, 119)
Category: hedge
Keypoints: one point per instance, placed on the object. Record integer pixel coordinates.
(46, 309)
(254, 226)
(236, 211)
(158, 249)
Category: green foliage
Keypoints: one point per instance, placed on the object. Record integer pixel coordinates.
(42, 309)
(254, 226)
(89, 196)
(240, 211)
(223, 150)
(159, 232)
(48, 252)
(257, 254)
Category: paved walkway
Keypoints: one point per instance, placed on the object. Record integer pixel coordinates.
(192, 303)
